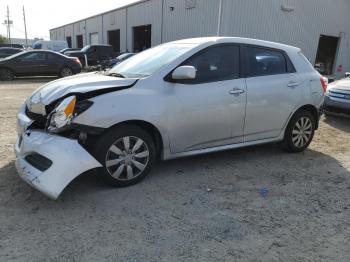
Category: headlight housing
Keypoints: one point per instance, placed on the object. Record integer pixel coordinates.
(62, 115)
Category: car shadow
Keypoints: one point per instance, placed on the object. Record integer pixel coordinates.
(338, 122)
(243, 169)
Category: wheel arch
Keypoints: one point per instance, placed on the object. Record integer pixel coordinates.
(65, 66)
(8, 68)
(313, 110)
(150, 128)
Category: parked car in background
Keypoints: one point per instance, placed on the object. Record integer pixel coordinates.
(120, 59)
(107, 64)
(93, 53)
(38, 63)
(8, 51)
(53, 45)
(63, 51)
(13, 45)
(175, 100)
(337, 98)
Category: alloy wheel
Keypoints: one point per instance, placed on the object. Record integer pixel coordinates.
(66, 72)
(127, 158)
(302, 132)
(6, 74)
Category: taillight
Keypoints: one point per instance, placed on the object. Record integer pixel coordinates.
(324, 85)
(77, 61)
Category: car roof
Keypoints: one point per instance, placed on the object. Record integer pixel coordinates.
(41, 51)
(238, 40)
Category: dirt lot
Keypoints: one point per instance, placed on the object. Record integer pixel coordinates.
(205, 208)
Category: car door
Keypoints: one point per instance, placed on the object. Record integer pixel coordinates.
(273, 91)
(54, 64)
(209, 110)
(31, 63)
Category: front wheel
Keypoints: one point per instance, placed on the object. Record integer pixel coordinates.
(300, 132)
(127, 154)
(6, 74)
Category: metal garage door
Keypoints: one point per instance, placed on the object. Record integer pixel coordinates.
(94, 39)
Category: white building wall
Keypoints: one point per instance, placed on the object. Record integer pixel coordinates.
(79, 29)
(262, 19)
(146, 13)
(180, 22)
(94, 25)
(113, 21)
(68, 31)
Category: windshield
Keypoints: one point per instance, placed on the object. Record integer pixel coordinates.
(149, 61)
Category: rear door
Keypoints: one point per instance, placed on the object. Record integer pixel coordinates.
(53, 64)
(209, 110)
(274, 90)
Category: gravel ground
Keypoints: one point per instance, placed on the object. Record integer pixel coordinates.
(205, 208)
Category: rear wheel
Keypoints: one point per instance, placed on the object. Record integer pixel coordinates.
(6, 74)
(300, 131)
(127, 154)
(66, 71)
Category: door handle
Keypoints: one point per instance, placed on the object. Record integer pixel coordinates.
(236, 91)
(292, 84)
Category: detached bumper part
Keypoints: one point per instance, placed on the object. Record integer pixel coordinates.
(49, 162)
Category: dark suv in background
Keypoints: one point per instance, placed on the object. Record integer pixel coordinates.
(94, 54)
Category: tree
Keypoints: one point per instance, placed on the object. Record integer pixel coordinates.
(3, 39)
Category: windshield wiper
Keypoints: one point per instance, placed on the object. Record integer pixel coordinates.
(116, 75)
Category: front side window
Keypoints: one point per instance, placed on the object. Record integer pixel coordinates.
(34, 56)
(151, 60)
(217, 63)
(263, 62)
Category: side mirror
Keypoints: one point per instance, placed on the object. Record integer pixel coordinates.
(184, 73)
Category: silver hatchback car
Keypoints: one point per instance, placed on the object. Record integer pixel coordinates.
(178, 99)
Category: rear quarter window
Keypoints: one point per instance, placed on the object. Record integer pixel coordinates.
(305, 63)
(263, 61)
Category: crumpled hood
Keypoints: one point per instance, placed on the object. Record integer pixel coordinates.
(340, 85)
(82, 83)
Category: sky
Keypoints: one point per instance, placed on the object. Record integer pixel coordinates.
(42, 15)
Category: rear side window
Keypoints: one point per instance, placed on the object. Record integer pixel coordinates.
(217, 63)
(33, 56)
(262, 62)
(53, 57)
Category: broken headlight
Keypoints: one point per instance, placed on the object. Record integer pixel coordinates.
(62, 115)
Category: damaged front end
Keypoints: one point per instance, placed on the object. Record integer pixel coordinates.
(51, 150)
(48, 161)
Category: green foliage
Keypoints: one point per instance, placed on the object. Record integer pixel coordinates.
(3, 39)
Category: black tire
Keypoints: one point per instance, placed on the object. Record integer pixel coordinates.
(6, 74)
(295, 142)
(115, 137)
(66, 71)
